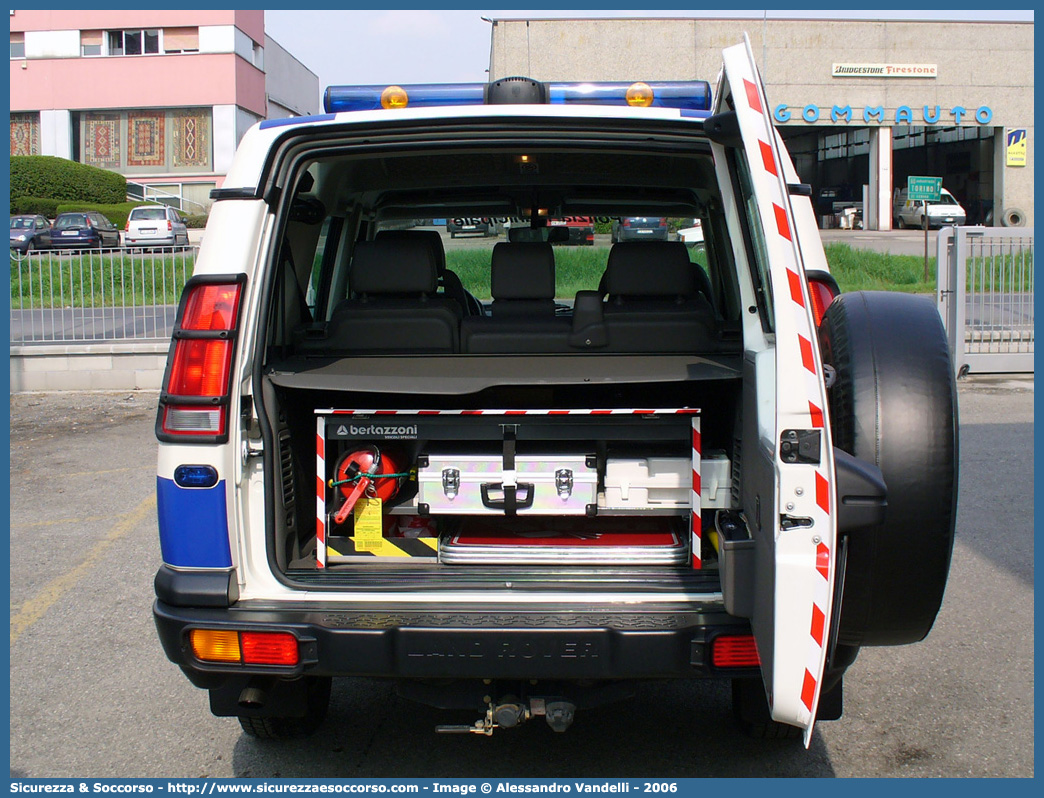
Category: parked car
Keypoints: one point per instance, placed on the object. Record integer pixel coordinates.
(692, 233)
(155, 226)
(910, 213)
(528, 510)
(470, 226)
(29, 232)
(581, 229)
(84, 229)
(640, 228)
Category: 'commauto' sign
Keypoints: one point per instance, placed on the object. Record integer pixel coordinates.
(885, 71)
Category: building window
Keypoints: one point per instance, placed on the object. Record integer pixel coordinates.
(17, 45)
(140, 141)
(181, 40)
(145, 138)
(91, 42)
(25, 134)
(133, 42)
(101, 146)
(190, 138)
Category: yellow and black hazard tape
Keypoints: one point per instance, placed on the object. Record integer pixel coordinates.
(383, 547)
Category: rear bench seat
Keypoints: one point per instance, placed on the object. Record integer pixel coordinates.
(652, 300)
(394, 308)
(522, 315)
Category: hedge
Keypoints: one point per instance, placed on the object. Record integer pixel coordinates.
(45, 207)
(117, 214)
(61, 179)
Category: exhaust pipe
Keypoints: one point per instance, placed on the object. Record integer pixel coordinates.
(255, 694)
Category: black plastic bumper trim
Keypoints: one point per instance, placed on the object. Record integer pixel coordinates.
(488, 643)
(196, 588)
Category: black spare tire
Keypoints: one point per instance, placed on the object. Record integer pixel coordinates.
(894, 404)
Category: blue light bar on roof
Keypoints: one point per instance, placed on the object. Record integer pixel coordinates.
(417, 95)
(694, 95)
(689, 95)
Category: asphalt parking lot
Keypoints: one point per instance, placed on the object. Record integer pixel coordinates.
(93, 696)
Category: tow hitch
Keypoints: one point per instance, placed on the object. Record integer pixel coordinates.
(511, 712)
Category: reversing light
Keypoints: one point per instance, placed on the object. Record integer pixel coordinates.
(394, 97)
(639, 95)
(735, 651)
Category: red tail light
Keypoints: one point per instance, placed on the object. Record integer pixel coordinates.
(126, 225)
(87, 221)
(169, 226)
(200, 368)
(269, 648)
(195, 400)
(822, 288)
(626, 222)
(735, 651)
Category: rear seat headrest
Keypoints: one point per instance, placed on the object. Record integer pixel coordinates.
(432, 237)
(393, 266)
(649, 269)
(522, 271)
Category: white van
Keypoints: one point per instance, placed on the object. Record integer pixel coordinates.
(910, 213)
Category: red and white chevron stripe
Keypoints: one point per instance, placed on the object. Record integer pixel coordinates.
(516, 412)
(800, 393)
(320, 487)
(697, 522)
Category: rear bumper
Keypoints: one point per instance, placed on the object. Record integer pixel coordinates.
(464, 642)
(152, 241)
(74, 243)
(634, 235)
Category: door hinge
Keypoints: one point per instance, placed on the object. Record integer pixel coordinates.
(800, 446)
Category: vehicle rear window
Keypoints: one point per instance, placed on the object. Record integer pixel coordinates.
(149, 213)
(71, 220)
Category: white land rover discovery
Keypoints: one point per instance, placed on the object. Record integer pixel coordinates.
(518, 477)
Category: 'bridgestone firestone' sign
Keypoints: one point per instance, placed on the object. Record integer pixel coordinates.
(885, 71)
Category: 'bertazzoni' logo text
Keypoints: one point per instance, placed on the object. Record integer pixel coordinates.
(382, 431)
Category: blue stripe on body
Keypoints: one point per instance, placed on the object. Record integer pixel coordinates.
(193, 525)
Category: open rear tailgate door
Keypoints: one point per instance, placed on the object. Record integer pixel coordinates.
(796, 544)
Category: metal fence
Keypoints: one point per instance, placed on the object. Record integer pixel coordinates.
(97, 295)
(985, 294)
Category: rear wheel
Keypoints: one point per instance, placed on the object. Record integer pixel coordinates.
(282, 728)
(894, 404)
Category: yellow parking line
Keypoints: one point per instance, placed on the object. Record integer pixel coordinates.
(57, 521)
(66, 475)
(35, 608)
